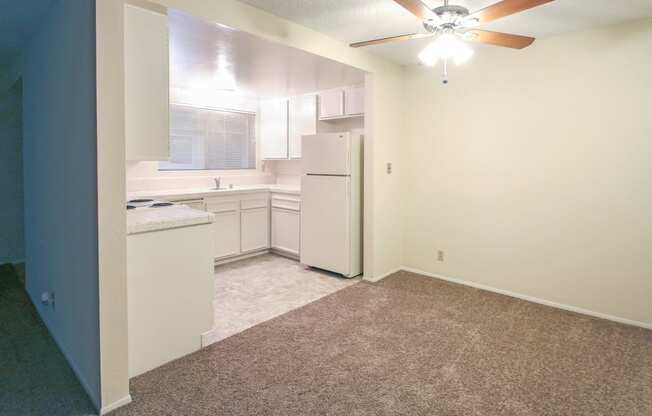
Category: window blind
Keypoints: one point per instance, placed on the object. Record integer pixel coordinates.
(208, 139)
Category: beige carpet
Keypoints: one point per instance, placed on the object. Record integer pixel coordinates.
(411, 346)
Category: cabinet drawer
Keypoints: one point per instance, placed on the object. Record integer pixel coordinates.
(218, 205)
(286, 202)
(254, 203)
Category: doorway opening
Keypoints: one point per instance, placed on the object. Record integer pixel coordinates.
(241, 108)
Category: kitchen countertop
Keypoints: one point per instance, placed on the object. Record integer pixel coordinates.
(144, 220)
(180, 194)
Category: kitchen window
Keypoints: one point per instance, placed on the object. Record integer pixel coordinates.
(210, 139)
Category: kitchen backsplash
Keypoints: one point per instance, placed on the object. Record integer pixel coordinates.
(145, 176)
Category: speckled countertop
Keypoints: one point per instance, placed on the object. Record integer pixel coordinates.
(144, 220)
(181, 194)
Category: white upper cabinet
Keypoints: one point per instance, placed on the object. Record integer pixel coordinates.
(302, 121)
(283, 122)
(273, 132)
(354, 101)
(147, 84)
(341, 103)
(331, 104)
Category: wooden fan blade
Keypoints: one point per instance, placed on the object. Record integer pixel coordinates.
(501, 39)
(391, 39)
(506, 8)
(418, 9)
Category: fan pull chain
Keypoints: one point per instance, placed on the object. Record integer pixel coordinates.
(445, 74)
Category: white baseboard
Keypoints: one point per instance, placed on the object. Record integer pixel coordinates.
(530, 298)
(205, 337)
(118, 403)
(284, 253)
(92, 395)
(382, 276)
(239, 257)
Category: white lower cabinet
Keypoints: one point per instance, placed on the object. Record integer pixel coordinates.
(286, 230)
(254, 226)
(227, 234)
(170, 303)
(286, 223)
(241, 223)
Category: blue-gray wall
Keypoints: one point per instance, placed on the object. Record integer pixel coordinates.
(11, 174)
(59, 132)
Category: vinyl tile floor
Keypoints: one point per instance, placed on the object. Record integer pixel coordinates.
(257, 289)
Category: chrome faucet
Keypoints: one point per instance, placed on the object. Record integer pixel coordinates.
(217, 182)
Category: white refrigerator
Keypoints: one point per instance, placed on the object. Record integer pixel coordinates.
(331, 202)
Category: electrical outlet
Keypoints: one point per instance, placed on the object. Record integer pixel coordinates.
(47, 299)
(389, 168)
(440, 255)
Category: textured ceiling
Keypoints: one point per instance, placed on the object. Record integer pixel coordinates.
(209, 56)
(358, 20)
(18, 21)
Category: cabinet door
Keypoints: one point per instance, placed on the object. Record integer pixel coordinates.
(255, 229)
(227, 233)
(331, 103)
(302, 118)
(273, 133)
(147, 85)
(354, 101)
(286, 230)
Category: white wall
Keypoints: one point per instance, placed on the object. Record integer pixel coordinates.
(111, 213)
(532, 171)
(60, 182)
(11, 174)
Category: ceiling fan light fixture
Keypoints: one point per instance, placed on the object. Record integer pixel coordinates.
(470, 36)
(471, 22)
(446, 46)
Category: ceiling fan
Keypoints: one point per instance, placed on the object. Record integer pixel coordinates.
(452, 25)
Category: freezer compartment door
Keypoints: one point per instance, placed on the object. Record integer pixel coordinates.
(326, 154)
(325, 216)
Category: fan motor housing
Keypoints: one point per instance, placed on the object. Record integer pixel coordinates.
(449, 18)
(457, 11)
